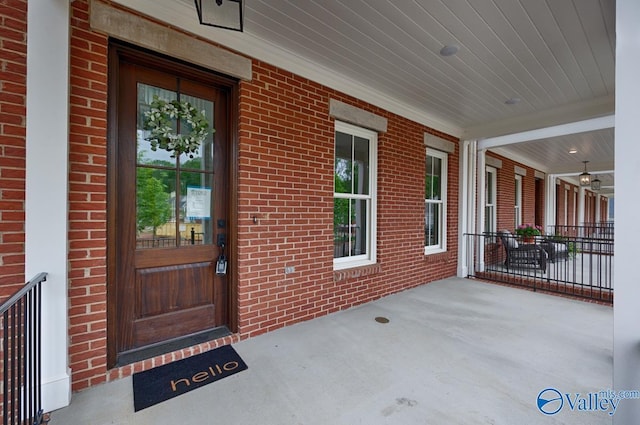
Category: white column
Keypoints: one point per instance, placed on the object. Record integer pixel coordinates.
(598, 214)
(46, 185)
(467, 207)
(480, 208)
(550, 202)
(626, 334)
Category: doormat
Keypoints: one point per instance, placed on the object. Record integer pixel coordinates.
(159, 384)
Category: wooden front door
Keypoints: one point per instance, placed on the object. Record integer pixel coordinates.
(168, 212)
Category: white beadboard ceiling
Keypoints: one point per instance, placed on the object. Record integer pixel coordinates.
(556, 56)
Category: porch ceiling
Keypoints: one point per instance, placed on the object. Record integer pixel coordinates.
(556, 57)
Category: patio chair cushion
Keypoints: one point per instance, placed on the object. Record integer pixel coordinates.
(509, 240)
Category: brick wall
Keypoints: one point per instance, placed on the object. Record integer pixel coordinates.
(506, 194)
(87, 201)
(285, 183)
(572, 203)
(13, 63)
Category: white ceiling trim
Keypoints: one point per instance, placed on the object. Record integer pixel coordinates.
(549, 132)
(180, 15)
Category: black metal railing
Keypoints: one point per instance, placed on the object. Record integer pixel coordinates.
(577, 266)
(20, 318)
(603, 230)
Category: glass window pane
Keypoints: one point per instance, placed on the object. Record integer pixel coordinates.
(359, 223)
(341, 236)
(436, 186)
(432, 219)
(155, 222)
(428, 178)
(488, 218)
(361, 166)
(206, 150)
(351, 217)
(343, 163)
(145, 97)
(433, 185)
(196, 208)
(489, 187)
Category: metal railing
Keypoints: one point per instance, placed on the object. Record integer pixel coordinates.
(20, 332)
(603, 230)
(577, 266)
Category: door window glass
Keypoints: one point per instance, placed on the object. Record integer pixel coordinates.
(174, 195)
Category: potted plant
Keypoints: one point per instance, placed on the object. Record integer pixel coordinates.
(528, 232)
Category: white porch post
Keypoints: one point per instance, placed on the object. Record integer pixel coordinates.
(467, 207)
(481, 179)
(626, 335)
(550, 202)
(46, 185)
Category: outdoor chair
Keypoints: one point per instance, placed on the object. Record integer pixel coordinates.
(522, 255)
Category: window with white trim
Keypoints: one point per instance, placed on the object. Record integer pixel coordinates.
(354, 197)
(435, 202)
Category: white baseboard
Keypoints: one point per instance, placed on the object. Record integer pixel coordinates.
(56, 393)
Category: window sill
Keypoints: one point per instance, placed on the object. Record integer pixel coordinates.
(356, 272)
(431, 251)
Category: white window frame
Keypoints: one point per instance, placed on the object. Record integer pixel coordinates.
(369, 257)
(494, 204)
(442, 224)
(518, 201)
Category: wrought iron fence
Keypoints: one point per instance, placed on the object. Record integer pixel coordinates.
(600, 230)
(572, 265)
(20, 329)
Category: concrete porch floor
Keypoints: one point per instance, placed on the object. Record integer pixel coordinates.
(455, 351)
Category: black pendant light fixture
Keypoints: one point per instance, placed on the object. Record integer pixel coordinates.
(596, 184)
(228, 14)
(585, 178)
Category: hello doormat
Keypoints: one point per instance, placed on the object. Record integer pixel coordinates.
(164, 382)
